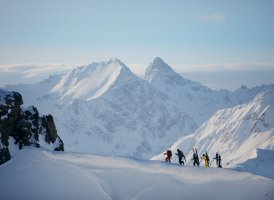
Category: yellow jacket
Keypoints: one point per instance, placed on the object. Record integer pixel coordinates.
(206, 161)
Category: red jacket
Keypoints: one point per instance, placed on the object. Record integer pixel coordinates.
(168, 153)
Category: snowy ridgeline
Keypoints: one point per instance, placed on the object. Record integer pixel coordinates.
(35, 174)
(105, 108)
(235, 133)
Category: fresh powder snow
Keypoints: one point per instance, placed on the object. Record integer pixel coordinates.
(35, 174)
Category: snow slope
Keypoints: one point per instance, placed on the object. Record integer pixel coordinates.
(262, 165)
(235, 132)
(105, 108)
(36, 174)
(34, 92)
(91, 81)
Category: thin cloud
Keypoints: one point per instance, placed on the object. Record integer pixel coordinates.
(262, 66)
(28, 69)
(49, 69)
(30, 73)
(212, 18)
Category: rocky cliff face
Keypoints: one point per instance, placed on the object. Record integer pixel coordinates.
(21, 127)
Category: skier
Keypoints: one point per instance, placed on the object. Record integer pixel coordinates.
(180, 155)
(168, 155)
(218, 160)
(195, 158)
(205, 157)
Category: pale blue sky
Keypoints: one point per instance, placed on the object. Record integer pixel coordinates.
(183, 33)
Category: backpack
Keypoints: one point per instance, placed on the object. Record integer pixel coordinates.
(207, 158)
(169, 153)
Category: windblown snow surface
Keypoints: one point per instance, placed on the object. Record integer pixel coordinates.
(36, 174)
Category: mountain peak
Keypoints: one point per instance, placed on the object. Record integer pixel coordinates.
(91, 81)
(115, 60)
(159, 68)
(158, 60)
(159, 64)
(111, 64)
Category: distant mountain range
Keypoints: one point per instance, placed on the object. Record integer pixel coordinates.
(105, 108)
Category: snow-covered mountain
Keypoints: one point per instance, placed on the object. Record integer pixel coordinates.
(129, 118)
(105, 108)
(235, 133)
(90, 82)
(191, 97)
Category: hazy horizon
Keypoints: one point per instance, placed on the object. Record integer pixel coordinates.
(214, 79)
(204, 35)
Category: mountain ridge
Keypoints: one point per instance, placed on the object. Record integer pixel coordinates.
(91, 81)
(125, 114)
(235, 132)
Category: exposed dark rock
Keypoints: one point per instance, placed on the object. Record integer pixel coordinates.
(25, 126)
(61, 146)
(10, 103)
(51, 133)
(4, 155)
(48, 123)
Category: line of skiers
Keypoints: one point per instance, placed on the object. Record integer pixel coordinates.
(195, 158)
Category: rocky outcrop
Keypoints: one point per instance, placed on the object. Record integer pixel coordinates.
(21, 127)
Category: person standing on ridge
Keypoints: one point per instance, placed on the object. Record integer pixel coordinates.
(180, 155)
(195, 158)
(205, 157)
(168, 155)
(218, 160)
